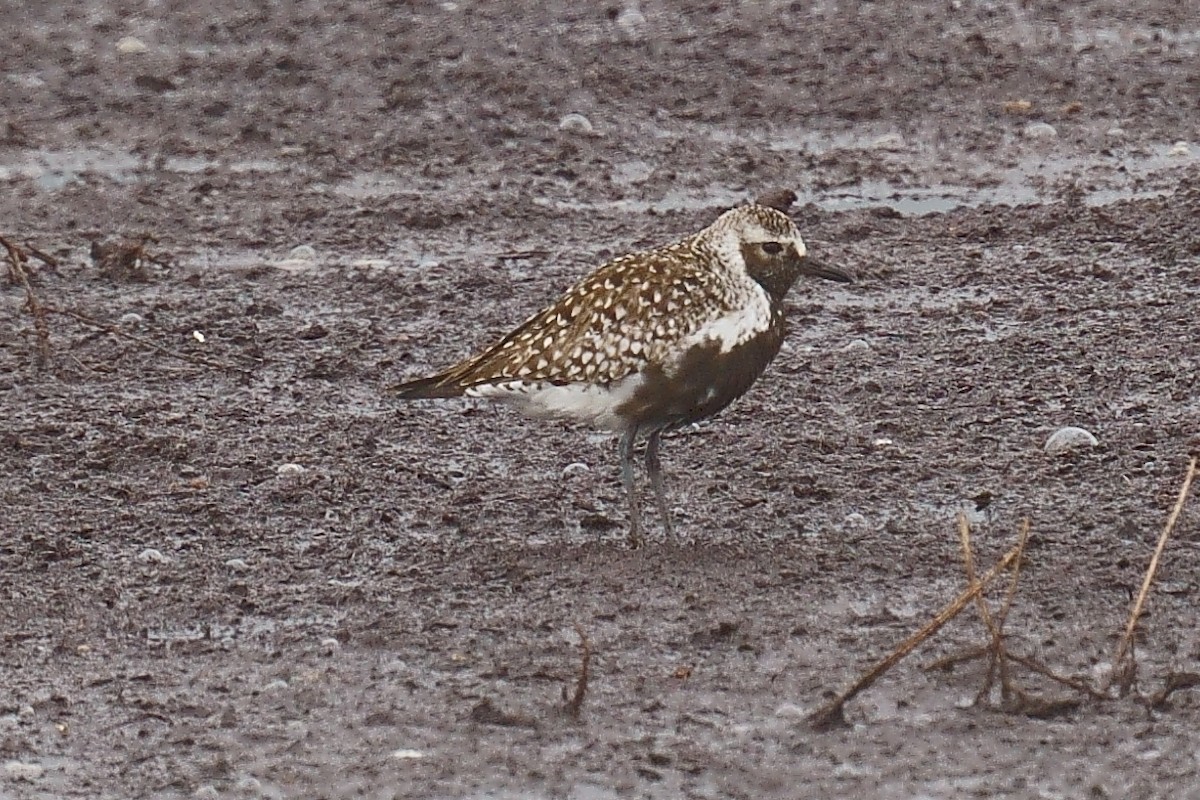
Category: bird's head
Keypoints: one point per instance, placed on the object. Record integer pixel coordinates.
(767, 242)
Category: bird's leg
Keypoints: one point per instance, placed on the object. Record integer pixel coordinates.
(654, 470)
(635, 513)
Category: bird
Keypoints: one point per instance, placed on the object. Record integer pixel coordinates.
(649, 342)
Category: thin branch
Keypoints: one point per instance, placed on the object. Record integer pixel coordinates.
(574, 705)
(1119, 671)
(994, 652)
(42, 330)
(831, 713)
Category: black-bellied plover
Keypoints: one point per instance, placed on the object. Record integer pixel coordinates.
(649, 341)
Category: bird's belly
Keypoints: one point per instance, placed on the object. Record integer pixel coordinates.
(594, 404)
(698, 384)
(705, 380)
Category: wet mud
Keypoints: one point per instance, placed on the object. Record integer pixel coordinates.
(232, 566)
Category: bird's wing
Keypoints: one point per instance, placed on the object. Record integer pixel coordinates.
(620, 318)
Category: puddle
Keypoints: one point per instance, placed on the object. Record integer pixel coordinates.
(52, 170)
(1105, 178)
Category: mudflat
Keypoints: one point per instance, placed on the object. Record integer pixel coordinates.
(232, 566)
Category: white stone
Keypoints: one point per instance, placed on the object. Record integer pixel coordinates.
(1180, 149)
(131, 46)
(23, 771)
(130, 320)
(153, 556)
(330, 645)
(632, 23)
(198, 336)
(249, 785)
(1040, 130)
(883, 441)
(1115, 133)
(406, 754)
(289, 469)
(238, 565)
(889, 141)
(791, 711)
(577, 468)
(206, 792)
(277, 685)
(302, 252)
(855, 520)
(1069, 438)
(576, 123)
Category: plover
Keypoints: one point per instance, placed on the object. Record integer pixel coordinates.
(650, 341)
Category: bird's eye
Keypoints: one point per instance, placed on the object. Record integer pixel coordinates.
(772, 248)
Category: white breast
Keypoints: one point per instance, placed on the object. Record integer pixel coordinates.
(736, 326)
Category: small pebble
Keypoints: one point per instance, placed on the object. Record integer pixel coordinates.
(882, 442)
(791, 711)
(289, 469)
(277, 685)
(206, 792)
(198, 336)
(131, 46)
(576, 123)
(577, 468)
(330, 645)
(23, 771)
(405, 754)
(1115, 133)
(1069, 438)
(238, 565)
(130, 320)
(632, 23)
(889, 141)
(153, 556)
(1040, 130)
(1180, 149)
(855, 520)
(302, 252)
(249, 785)
(857, 346)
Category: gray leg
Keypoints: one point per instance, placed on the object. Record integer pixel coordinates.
(635, 512)
(654, 470)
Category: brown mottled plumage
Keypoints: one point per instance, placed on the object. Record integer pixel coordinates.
(649, 341)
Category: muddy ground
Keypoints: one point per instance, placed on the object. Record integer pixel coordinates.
(231, 566)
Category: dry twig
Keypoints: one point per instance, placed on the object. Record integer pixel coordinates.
(16, 261)
(574, 704)
(1126, 673)
(831, 714)
(997, 652)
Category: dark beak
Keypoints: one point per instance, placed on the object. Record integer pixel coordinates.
(810, 266)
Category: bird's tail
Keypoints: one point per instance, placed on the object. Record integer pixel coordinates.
(435, 386)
